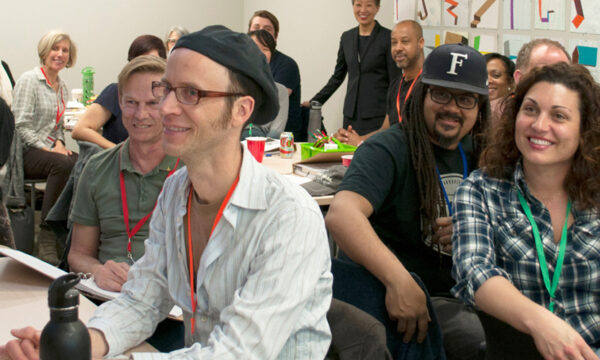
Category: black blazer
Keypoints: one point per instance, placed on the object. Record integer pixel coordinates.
(7, 69)
(369, 74)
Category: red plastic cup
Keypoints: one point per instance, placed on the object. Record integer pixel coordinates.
(346, 160)
(256, 145)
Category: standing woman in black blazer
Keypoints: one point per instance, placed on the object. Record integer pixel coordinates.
(364, 55)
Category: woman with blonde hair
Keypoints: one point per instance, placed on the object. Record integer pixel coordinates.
(39, 100)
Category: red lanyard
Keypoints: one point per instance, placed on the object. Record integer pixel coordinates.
(136, 228)
(59, 113)
(407, 94)
(190, 248)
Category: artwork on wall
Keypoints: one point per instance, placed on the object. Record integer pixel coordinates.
(454, 37)
(550, 14)
(484, 14)
(513, 23)
(484, 43)
(429, 12)
(585, 52)
(511, 44)
(404, 10)
(455, 13)
(433, 39)
(581, 23)
(517, 14)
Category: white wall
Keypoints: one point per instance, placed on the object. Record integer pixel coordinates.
(102, 30)
(310, 33)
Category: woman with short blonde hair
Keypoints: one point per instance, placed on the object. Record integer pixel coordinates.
(39, 102)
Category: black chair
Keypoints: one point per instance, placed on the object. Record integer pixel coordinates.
(355, 335)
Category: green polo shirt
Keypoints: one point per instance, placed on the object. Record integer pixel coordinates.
(98, 200)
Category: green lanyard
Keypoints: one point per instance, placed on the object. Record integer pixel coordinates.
(540, 250)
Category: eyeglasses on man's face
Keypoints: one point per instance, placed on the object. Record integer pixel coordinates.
(187, 95)
(463, 101)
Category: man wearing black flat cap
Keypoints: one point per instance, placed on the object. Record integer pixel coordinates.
(391, 215)
(240, 249)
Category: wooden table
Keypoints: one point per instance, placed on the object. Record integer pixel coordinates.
(285, 167)
(24, 301)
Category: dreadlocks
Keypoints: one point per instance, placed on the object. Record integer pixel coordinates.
(423, 159)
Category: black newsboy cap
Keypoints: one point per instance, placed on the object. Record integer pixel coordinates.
(237, 52)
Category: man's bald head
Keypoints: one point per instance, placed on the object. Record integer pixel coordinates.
(537, 53)
(416, 27)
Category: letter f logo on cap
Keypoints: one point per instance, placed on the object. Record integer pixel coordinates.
(455, 62)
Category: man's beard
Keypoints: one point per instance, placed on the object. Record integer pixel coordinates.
(443, 140)
(406, 63)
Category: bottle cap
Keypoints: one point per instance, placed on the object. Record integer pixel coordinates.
(61, 293)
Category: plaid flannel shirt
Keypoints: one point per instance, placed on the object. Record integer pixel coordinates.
(35, 108)
(492, 237)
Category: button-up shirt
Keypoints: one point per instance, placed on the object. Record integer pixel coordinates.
(98, 200)
(263, 281)
(493, 237)
(35, 105)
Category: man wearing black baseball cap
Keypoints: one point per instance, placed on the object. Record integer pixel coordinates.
(241, 250)
(391, 215)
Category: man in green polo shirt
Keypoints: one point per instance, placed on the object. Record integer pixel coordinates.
(118, 188)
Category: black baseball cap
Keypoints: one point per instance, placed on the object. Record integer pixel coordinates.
(456, 66)
(239, 53)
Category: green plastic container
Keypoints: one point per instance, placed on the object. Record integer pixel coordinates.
(307, 150)
(88, 83)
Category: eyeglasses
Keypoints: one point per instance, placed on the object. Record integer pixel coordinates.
(172, 40)
(463, 101)
(186, 94)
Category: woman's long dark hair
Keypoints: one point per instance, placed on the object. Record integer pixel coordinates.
(421, 152)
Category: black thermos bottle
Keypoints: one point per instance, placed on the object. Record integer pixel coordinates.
(65, 336)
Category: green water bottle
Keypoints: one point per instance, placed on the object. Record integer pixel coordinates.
(88, 83)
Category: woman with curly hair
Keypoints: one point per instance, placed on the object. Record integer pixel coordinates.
(527, 224)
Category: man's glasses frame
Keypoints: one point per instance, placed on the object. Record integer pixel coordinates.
(187, 95)
(443, 97)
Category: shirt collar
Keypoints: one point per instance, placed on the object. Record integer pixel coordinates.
(41, 77)
(167, 163)
(581, 216)
(252, 187)
(521, 184)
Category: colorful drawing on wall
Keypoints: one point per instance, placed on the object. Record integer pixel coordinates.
(454, 37)
(542, 18)
(429, 12)
(585, 55)
(585, 52)
(485, 14)
(423, 14)
(432, 38)
(511, 44)
(484, 43)
(550, 14)
(517, 15)
(453, 4)
(584, 16)
(456, 13)
(579, 14)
